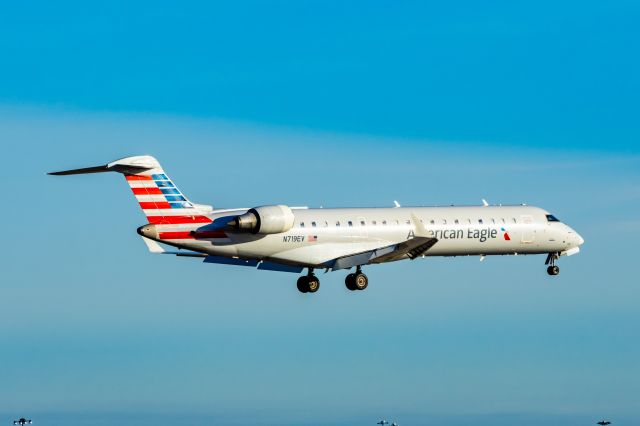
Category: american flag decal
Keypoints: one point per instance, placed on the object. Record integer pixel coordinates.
(312, 238)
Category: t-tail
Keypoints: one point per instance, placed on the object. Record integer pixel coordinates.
(160, 199)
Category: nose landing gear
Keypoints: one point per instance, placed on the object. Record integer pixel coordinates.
(308, 283)
(552, 269)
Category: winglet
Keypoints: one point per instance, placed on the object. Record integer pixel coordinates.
(396, 204)
(484, 202)
(420, 231)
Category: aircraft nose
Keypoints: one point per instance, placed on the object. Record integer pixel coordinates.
(576, 239)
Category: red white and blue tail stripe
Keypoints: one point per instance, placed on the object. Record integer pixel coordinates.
(161, 201)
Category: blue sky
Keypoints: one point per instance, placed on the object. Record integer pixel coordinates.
(316, 104)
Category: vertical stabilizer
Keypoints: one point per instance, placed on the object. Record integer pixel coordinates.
(159, 198)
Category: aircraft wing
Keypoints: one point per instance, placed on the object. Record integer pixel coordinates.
(412, 248)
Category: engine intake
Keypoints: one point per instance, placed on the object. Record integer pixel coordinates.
(264, 220)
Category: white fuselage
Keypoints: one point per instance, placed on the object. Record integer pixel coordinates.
(282, 238)
(319, 235)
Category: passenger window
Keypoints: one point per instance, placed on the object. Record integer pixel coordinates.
(444, 221)
(338, 223)
(503, 221)
(373, 222)
(384, 222)
(408, 222)
(326, 223)
(493, 221)
(397, 222)
(301, 224)
(456, 221)
(313, 224)
(350, 223)
(514, 220)
(480, 221)
(433, 222)
(362, 222)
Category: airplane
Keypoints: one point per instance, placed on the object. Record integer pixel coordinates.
(382, 422)
(22, 421)
(604, 422)
(291, 239)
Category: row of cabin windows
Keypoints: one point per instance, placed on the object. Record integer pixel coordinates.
(408, 222)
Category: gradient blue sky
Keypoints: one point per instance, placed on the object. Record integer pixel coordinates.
(319, 103)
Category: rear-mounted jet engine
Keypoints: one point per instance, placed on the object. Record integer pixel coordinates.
(264, 220)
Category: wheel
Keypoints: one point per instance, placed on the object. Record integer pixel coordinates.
(302, 284)
(553, 270)
(360, 281)
(313, 284)
(349, 281)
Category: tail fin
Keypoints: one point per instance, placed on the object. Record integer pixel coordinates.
(161, 201)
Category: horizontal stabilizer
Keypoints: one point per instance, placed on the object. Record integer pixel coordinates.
(86, 170)
(130, 165)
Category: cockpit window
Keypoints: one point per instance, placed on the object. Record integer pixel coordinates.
(552, 218)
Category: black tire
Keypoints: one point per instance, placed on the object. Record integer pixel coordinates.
(302, 284)
(553, 270)
(349, 281)
(360, 281)
(313, 284)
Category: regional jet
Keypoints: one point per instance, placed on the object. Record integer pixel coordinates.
(291, 239)
(604, 422)
(22, 421)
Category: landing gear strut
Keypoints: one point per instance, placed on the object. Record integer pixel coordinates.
(357, 281)
(308, 283)
(552, 269)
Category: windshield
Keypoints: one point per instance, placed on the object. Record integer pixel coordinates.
(552, 218)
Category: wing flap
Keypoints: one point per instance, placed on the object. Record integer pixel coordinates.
(412, 249)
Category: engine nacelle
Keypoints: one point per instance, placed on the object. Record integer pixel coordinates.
(264, 220)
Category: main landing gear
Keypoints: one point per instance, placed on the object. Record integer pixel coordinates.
(357, 281)
(552, 269)
(308, 283)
